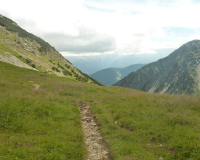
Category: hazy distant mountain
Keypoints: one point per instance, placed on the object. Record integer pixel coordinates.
(88, 66)
(92, 64)
(110, 76)
(178, 73)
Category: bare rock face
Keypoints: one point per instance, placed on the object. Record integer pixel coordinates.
(14, 60)
(178, 73)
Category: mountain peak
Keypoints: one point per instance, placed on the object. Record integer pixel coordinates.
(191, 45)
(177, 73)
(195, 41)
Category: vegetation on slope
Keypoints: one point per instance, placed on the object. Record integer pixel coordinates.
(24, 49)
(37, 124)
(12, 26)
(140, 126)
(45, 123)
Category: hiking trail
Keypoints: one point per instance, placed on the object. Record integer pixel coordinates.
(96, 146)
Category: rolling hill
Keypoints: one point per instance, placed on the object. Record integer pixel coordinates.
(178, 73)
(110, 76)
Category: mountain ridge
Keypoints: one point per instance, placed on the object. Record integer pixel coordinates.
(176, 73)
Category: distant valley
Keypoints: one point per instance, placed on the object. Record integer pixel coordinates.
(110, 76)
(92, 64)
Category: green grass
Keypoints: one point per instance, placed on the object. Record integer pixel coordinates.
(149, 126)
(45, 124)
(37, 124)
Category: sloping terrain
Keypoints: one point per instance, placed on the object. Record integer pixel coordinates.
(37, 120)
(45, 123)
(178, 73)
(40, 117)
(23, 49)
(110, 76)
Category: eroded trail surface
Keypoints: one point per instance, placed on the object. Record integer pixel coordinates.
(37, 86)
(96, 146)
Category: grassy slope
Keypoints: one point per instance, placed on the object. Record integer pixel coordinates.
(45, 124)
(35, 52)
(13, 27)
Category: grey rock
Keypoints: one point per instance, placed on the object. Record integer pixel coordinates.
(178, 73)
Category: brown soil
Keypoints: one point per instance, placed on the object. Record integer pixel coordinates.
(96, 146)
(37, 86)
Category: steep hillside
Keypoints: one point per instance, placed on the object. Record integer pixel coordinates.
(23, 49)
(110, 76)
(178, 73)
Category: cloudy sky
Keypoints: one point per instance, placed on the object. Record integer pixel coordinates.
(100, 27)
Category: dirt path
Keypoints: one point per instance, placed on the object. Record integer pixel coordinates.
(37, 86)
(96, 146)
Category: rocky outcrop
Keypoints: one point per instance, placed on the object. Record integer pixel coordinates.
(176, 74)
(9, 58)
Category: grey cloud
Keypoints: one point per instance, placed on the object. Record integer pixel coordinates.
(25, 23)
(5, 13)
(29, 25)
(87, 41)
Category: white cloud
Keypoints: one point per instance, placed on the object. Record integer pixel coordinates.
(159, 33)
(135, 26)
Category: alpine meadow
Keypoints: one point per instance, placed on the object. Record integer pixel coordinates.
(40, 118)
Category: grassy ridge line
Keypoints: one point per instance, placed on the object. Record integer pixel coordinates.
(12, 26)
(136, 124)
(16, 44)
